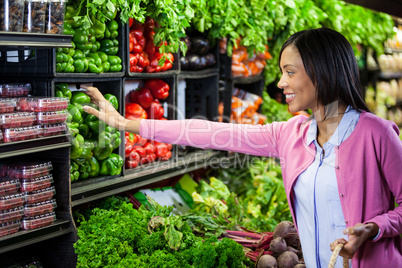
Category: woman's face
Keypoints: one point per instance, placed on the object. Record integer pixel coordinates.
(297, 86)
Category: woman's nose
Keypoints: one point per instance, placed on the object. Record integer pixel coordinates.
(282, 84)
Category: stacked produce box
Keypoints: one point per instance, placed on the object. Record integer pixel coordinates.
(27, 193)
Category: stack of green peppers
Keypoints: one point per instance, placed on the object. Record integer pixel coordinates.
(92, 141)
(94, 49)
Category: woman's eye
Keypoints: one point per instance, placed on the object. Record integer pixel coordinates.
(289, 73)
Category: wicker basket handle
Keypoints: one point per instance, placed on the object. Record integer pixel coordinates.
(334, 256)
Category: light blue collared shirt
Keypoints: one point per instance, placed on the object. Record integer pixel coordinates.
(317, 204)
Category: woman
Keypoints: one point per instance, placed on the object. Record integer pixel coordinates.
(341, 167)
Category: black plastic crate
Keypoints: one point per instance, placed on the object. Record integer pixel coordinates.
(143, 75)
(169, 105)
(26, 63)
(121, 53)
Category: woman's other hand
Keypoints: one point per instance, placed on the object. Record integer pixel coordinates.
(107, 112)
(358, 234)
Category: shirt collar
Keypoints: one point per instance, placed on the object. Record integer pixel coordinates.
(339, 133)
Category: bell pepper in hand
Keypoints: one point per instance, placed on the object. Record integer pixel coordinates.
(134, 111)
(112, 165)
(103, 147)
(158, 87)
(155, 111)
(142, 96)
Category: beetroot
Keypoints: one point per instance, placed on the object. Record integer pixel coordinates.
(267, 261)
(278, 245)
(292, 249)
(283, 228)
(292, 239)
(300, 265)
(287, 259)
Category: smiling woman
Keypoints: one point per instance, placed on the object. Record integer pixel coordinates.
(319, 72)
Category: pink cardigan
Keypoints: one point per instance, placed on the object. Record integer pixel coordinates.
(368, 168)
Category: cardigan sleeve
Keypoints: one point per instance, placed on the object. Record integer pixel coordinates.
(261, 140)
(390, 153)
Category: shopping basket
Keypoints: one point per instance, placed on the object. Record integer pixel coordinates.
(334, 256)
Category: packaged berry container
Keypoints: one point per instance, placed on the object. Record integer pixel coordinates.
(42, 104)
(9, 186)
(31, 210)
(29, 170)
(20, 134)
(30, 185)
(7, 105)
(29, 223)
(40, 195)
(16, 120)
(53, 130)
(12, 214)
(10, 227)
(12, 201)
(45, 118)
(14, 90)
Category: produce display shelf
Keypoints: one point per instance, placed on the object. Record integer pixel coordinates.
(248, 80)
(387, 76)
(28, 237)
(141, 176)
(35, 145)
(17, 39)
(199, 74)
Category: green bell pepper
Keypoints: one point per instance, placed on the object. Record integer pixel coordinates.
(112, 165)
(84, 170)
(112, 99)
(107, 34)
(84, 130)
(114, 60)
(109, 14)
(63, 91)
(94, 124)
(73, 129)
(79, 97)
(69, 68)
(99, 28)
(93, 68)
(106, 66)
(114, 34)
(112, 25)
(81, 36)
(95, 46)
(75, 113)
(115, 68)
(79, 66)
(76, 146)
(104, 57)
(95, 56)
(94, 164)
(59, 57)
(74, 173)
(85, 46)
(104, 146)
(86, 150)
(78, 54)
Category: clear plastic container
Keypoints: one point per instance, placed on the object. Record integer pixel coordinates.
(7, 105)
(45, 118)
(29, 170)
(16, 120)
(29, 223)
(20, 134)
(35, 16)
(53, 130)
(40, 208)
(12, 214)
(9, 186)
(55, 16)
(40, 195)
(12, 201)
(42, 104)
(29, 185)
(14, 90)
(12, 15)
(10, 227)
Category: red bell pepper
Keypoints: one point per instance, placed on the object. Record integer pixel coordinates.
(133, 60)
(142, 96)
(159, 88)
(148, 158)
(130, 140)
(130, 22)
(138, 149)
(137, 34)
(134, 111)
(161, 149)
(133, 160)
(155, 111)
(141, 141)
(149, 147)
(166, 157)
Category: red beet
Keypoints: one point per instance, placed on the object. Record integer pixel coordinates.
(278, 245)
(287, 259)
(267, 261)
(283, 228)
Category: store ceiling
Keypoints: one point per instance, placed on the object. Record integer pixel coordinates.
(391, 7)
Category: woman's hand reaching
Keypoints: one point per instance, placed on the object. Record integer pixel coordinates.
(358, 234)
(107, 113)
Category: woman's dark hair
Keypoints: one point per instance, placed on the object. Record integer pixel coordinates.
(329, 61)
